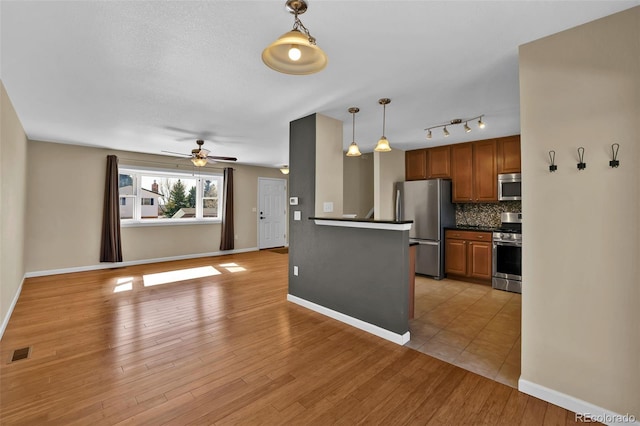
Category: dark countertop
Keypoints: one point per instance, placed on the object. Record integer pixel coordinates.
(472, 228)
(349, 219)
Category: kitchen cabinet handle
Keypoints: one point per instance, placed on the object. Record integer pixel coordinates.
(480, 236)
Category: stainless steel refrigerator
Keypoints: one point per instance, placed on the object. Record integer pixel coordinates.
(428, 204)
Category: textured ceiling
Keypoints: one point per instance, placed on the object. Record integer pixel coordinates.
(149, 76)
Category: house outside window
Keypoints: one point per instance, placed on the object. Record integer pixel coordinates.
(167, 197)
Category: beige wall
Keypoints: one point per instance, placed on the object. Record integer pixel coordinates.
(388, 168)
(581, 279)
(13, 180)
(329, 178)
(358, 184)
(64, 215)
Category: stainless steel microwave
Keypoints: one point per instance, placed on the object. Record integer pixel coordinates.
(509, 187)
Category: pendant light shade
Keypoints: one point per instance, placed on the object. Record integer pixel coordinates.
(353, 151)
(295, 52)
(383, 143)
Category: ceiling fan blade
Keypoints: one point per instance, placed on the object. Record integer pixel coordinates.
(217, 158)
(203, 153)
(177, 153)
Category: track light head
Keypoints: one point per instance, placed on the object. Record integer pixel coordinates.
(445, 131)
(481, 123)
(429, 135)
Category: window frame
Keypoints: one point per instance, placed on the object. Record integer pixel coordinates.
(137, 172)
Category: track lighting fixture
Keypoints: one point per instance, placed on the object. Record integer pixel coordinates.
(295, 52)
(353, 151)
(383, 143)
(453, 122)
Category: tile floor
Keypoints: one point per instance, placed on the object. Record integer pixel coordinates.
(470, 325)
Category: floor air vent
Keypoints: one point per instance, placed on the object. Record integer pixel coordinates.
(22, 353)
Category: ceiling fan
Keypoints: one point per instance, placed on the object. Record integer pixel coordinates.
(200, 156)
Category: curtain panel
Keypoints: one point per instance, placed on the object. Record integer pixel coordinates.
(227, 235)
(111, 249)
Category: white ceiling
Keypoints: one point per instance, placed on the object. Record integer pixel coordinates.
(149, 76)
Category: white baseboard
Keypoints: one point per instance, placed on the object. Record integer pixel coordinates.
(133, 263)
(399, 339)
(5, 320)
(576, 405)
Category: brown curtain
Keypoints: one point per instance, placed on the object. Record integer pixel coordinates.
(226, 239)
(111, 250)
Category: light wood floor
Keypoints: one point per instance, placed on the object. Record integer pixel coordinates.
(470, 325)
(224, 349)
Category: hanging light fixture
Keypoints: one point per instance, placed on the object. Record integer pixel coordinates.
(285, 170)
(353, 151)
(295, 52)
(383, 143)
(454, 122)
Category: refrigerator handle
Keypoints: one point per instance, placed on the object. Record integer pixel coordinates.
(397, 205)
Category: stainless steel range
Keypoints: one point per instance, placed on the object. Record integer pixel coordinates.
(507, 253)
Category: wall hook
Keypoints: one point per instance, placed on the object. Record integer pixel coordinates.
(614, 152)
(581, 165)
(552, 157)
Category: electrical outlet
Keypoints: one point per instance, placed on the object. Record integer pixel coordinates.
(327, 207)
(295, 271)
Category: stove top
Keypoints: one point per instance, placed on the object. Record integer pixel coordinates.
(510, 223)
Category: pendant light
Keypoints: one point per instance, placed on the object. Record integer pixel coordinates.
(383, 143)
(353, 151)
(295, 52)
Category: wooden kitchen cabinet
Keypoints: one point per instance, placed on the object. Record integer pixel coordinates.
(468, 255)
(474, 172)
(462, 172)
(509, 158)
(415, 162)
(485, 171)
(439, 162)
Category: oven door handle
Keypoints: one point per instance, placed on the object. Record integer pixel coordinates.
(506, 243)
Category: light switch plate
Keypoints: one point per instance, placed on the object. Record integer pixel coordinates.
(297, 215)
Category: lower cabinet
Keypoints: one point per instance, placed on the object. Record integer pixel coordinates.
(468, 255)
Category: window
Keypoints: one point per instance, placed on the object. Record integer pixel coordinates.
(156, 196)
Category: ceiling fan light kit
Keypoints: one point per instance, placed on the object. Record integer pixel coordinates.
(295, 52)
(456, 121)
(200, 156)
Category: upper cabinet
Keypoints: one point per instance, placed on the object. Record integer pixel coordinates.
(509, 154)
(474, 172)
(428, 163)
(472, 166)
(415, 164)
(439, 162)
(485, 171)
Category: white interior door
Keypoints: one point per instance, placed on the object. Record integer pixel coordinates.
(272, 212)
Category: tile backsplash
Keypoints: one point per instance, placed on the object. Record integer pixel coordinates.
(484, 214)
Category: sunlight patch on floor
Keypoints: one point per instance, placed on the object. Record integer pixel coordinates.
(179, 275)
(233, 267)
(123, 284)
